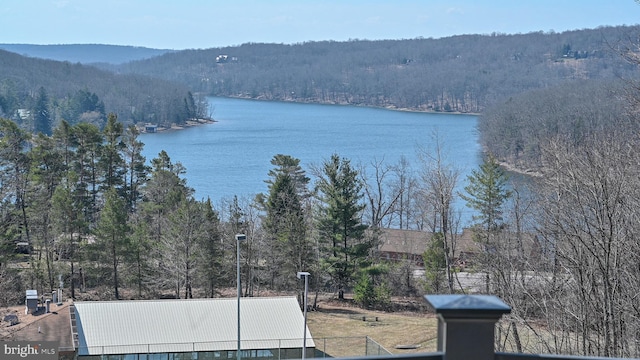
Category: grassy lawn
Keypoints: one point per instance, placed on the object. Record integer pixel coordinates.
(341, 329)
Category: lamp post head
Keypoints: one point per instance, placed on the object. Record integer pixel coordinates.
(241, 237)
(302, 273)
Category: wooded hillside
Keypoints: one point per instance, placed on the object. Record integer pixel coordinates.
(517, 130)
(467, 73)
(460, 73)
(80, 93)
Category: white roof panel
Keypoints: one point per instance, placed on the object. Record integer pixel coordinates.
(150, 326)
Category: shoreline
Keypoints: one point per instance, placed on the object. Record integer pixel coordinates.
(188, 124)
(388, 107)
(198, 122)
(514, 169)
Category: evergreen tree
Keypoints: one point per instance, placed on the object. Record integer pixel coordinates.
(14, 171)
(111, 161)
(162, 194)
(88, 140)
(285, 220)
(165, 189)
(84, 105)
(190, 108)
(41, 113)
(66, 142)
(69, 225)
(136, 170)
(487, 192)
(211, 270)
(236, 217)
(371, 290)
(286, 164)
(363, 291)
(112, 235)
(340, 226)
(138, 260)
(434, 264)
(47, 170)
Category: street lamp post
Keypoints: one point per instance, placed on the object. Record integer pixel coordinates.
(239, 237)
(306, 288)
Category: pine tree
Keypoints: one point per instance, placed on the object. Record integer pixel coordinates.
(487, 192)
(138, 263)
(69, 225)
(47, 170)
(434, 262)
(41, 115)
(340, 226)
(14, 171)
(211, 270)
(66, 142)
(112, 235)
(136, 170)
(88, 140)
(288, 165)
(162, 195)
(285, 220)
(111, 162)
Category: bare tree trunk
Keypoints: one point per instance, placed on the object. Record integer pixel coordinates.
(439, 180)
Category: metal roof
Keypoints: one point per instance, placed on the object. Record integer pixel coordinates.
(150, 326)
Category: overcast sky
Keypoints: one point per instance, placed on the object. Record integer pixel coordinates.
(192, 24)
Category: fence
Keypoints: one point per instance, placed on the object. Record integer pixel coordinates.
(466, 331)
(357, 346)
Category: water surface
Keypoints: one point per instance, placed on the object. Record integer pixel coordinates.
(232, 156)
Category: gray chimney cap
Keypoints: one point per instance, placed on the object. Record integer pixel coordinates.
(468, 305)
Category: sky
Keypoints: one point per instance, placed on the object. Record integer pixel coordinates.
(200, 24)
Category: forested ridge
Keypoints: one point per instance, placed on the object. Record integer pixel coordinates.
(466, 73)
(38, 94)
(84, 53)
(463, 73)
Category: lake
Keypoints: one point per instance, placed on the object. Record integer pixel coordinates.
(233, 156)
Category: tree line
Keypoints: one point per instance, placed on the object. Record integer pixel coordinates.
(465, 73)
(82, 205)
(38, 94)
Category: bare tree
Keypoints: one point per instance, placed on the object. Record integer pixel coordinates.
(405, 186)
(591, 221)
(439, 179)
(381, 197)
